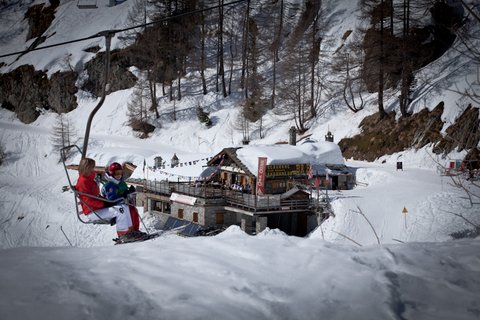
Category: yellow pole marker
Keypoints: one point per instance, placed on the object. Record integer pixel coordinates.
(405, 212)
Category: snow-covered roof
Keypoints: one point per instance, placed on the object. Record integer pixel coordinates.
(307, 153)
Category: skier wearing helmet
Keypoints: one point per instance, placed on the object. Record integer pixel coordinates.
(115, 188)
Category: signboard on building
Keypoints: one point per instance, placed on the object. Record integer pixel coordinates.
(262, 166)
(181, 198)
(287, 170)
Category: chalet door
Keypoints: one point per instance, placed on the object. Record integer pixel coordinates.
(302, 222)
(243, 181)
(334, 182)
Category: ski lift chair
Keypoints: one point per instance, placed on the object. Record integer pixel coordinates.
(78, 201)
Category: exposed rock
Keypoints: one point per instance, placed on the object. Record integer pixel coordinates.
(464, 134)
(25, 91)
(120, 77)
(383, 136)
(93, 49)
(39, 18)
(61, 95)
(472, 159)
(142, 127)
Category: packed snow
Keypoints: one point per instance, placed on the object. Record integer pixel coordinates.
(53, 266)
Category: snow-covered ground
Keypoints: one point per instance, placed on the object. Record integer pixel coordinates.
(232, 275)
(236, 276)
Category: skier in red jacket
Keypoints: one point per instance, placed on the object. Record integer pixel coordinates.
(86, 184)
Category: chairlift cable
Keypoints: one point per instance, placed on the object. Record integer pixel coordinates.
(115, 31)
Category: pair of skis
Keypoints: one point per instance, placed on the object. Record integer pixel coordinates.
(144, 238)
(150, 235)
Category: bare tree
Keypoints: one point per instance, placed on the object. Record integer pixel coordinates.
(469, 45)
(220, 50)
(374, 45)
(275, 48)
(203, 35)
(63, 133)
(347, 67)
(314, 48)
(243, 80)
(138, 110)
(294, 88)
(3, 154)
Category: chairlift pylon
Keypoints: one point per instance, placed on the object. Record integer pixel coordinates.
(108, 40)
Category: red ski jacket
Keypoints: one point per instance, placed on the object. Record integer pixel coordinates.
(87, 184)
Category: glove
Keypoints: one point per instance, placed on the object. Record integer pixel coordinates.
(130, 191)
(107, 204)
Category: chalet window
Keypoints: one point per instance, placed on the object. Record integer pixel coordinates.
(219, 218)
(224, 176)
(180, 213)
(276, 186)
(195, 217)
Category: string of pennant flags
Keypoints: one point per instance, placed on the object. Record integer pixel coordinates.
(169, 174)
(182, 164)
(187, 163)
(192, 162)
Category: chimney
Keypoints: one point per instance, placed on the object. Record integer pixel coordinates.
(174, 162)
(293, 136)
(158, 162)
(329, 137)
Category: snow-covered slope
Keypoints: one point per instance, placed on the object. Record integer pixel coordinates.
(70, 23)
(235, 276)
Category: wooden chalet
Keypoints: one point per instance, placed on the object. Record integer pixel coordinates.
(254, 187)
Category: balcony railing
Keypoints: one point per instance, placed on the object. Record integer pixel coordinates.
(219, 196)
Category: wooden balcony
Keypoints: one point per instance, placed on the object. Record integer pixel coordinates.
(212, 195)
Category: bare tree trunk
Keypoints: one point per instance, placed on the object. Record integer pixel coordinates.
(274, 80)
(313, 53)
(348, 93)
(202, 56)
(221, 51)
(244, 49)
(407, 76)
(276, 58)
(152, 90)
(381, 109)
(391, 17)
(179, 95)
(230, 76)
